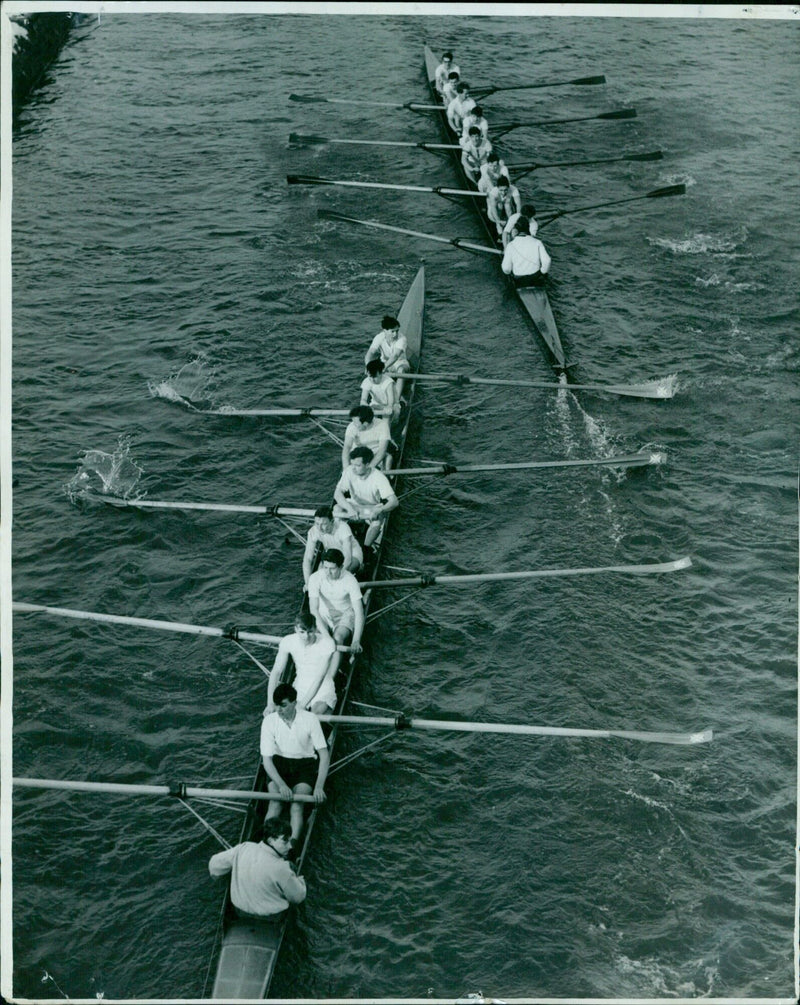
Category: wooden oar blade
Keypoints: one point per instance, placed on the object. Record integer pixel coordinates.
(308, 99)
(659, 193)
(306, 179)
(588, 81)
(307, 141)
(654, 155)
(622, 113)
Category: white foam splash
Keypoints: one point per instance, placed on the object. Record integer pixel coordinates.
(101, 473)
(190, 383)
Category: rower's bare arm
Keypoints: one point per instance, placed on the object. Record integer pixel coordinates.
(322, 774)
(275, 677)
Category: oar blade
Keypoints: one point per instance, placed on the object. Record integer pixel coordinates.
(654, 155)
(331, 214)
(306, 179)
(660, 193)
(622, 113)
(661, 389)
(308, 99)
(588, 81)
(299, 140)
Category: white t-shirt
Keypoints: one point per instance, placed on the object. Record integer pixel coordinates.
(337, 595)
(310, 661)
(370, 491)
(388, 350)
(300, 738)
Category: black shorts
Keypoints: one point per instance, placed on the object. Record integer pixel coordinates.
(295, 770)
(536, 279)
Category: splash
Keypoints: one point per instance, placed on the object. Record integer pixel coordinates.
(700, 244)
(190, 385)
(105, 474)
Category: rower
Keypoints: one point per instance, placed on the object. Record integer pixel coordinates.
(528, 210)
(460, 106)
(502, 202)
(315, 659)
(328, 532)
(334, 599)
(263, 883)
(475, 118)
(379, 391)
(390, 346)
(365, 429)
(491, 172)
(364, 494)
(295, 756)
(526, 258)
(475, 148)
(443, 71)
(449, 89)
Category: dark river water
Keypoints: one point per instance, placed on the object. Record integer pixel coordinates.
(157, 249)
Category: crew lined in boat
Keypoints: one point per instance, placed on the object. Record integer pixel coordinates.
(295, 755)
(475, 118)
(390, 346)
(379, 391)
(502, 202)
(329, 532)
(443, 71)
(363, 493)
(335, 601)
(315, 660)
(491, 172)
(525, 257)
(263, 882)
(366, 429)
(460, 106)
(528, 210)
(475, 150)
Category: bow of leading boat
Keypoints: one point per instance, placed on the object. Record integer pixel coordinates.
(533, 301)
(249, 949)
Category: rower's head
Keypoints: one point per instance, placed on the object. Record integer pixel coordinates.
(529, 210)
(323, 518)
(474, 133)
(375, 369)
(522, 226)
(332, 564)
(453, 76)
(503, 184)
(477, 111)
(284, 698)
(462, 88)
(277, 833)
(363, 415)
(390, 324)
(447, 57)
(305, 626)
(360, 460)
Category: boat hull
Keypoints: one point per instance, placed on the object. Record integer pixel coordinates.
(249, 950)
(533, 300)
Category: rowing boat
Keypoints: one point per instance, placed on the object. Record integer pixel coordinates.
(534, 301)
(249, 949)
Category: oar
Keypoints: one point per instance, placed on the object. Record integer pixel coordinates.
(457, 242)
(663, 388)
(657, 193)
(251, 412)
(428, 579)
(299, 140)
(178, 790)
(622, 113)
(628, 461)
(412, 106)
(444, 468)
(520, 170)
(232, 632)
(484, 92)
(311, 179)
(402, 722)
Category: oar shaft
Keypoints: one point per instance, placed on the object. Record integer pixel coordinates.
(422, 145)
(622, 461)
(456, 242)
(413, 106)
(180, 790)
(300, 179)
(651, 389)
(658, 193)
(512, 729)
(497, 577)
(275, 412)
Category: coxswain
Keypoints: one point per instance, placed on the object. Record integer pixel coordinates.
(334, 599)
(443, 71)
(295, 756)
(525, 257)
(328, 532)
(379, 391)
(491, 172)
(363, 493)
(475, 148)
(315, 660)
(528, 210)
(366, 429)
(475, 118)
(460, 106)
(449, 90)
(390, 346)
(502, 202)
(263, 882)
